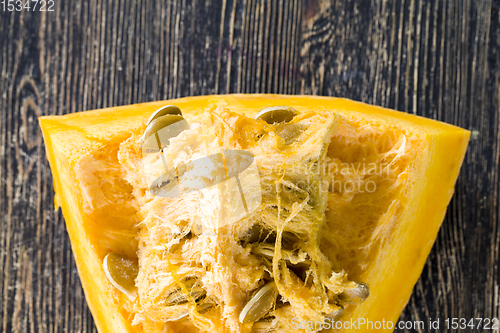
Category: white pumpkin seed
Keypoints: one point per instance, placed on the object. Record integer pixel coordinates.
(336, 314)
(263, 326)
(182, 315)
(289, 132)
(158, 133)
(260, 304)
(121, 272)
(164, 110)
(358, 293)
(276, 114)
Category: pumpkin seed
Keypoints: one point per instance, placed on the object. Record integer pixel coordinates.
(164, 110)
(197, 228)
(263, 326)
(121, 272)
(276, 114)
(289, 132)
(178, 296)
(356, 294)
(161, 139)
(204, 307)
(336, 314)
(182, 315)
(267, 250)
(260, 304)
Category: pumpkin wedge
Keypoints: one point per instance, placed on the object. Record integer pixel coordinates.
(348, 203)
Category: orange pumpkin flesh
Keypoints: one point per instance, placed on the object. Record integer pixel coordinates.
(381, 237)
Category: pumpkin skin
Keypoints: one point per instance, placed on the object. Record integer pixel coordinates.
(406, 234)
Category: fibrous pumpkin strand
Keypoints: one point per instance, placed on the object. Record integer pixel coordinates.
(178, 295)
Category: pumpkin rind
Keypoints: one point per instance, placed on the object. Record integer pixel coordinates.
(408, 233)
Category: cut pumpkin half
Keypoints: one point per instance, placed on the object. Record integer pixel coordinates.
(251, 213)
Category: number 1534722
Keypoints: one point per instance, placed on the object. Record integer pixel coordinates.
(27, 5)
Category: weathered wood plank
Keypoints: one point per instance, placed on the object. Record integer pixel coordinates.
(440, 60)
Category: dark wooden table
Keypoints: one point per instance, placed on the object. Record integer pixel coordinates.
(438, 59)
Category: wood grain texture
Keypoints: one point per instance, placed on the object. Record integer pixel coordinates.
(439, 59)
